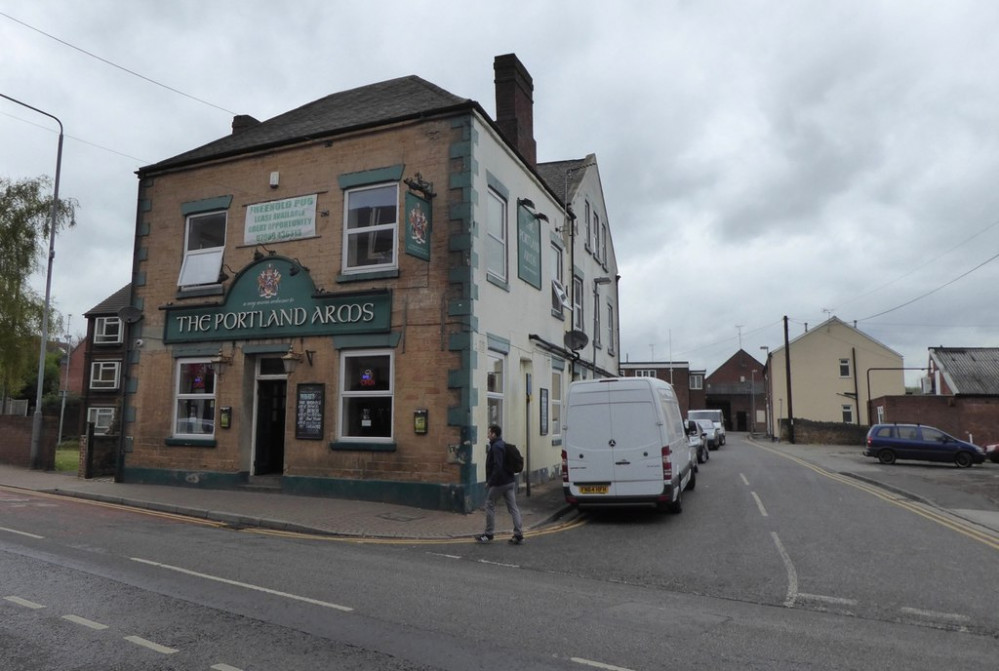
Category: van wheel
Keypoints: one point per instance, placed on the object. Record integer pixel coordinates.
(693, 481)
(962, 459)
(676, 507)
(886, 457)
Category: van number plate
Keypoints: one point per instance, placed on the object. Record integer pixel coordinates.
(594, 489)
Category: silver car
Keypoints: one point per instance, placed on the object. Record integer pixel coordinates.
(710, 432)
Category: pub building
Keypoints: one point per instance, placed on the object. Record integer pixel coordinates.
(339, 300)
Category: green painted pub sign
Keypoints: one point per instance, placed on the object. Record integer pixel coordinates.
(276, 298)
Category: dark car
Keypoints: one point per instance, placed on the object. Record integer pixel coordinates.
(889, 442)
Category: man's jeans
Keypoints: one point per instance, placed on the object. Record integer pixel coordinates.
(509, 494)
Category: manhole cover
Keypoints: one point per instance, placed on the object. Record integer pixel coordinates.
(400, 517)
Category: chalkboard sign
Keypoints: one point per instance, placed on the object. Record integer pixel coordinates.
(309, 416)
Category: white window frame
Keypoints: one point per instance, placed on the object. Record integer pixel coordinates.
(595, 244)
(847, 413)
(202, 265)
(603, 242)
(204, 397)
(108, 331)
(497, 235)
(596, 319)
(348, 396)
(610, 328)
(589, 225)
(645, 372)
(102, 417)
(560, 298)
(577, 303)
(844, 365)
(555, 400)
(696, 381)
(495, 397)
(105, 375)
(372, 230)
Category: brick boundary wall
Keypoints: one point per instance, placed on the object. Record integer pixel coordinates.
(15, 443)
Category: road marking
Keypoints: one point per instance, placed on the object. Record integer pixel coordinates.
(265, 590)
(21, 533)
(828, 599)
(744, 480)
(446, 556)
(956, 617)
(24, 602)
(225, 667)
(792, 575)
(496, 563)
(598, 665)
(156, 647)
(85, 622)
(759, 504)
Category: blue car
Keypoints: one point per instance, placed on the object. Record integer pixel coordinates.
(889, 442)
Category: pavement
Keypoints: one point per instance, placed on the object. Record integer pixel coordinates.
(972, 494)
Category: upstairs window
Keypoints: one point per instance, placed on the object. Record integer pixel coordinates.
(596, 321)
(577, 303)
(105, 375)
(559, 298)
(610, 328)
(107, 331)
(204, 243)
(696, 381)
(844, 368)
(371, 229)
(496, 237)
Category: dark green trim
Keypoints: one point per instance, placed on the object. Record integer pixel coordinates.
(201, 479)
(269, 348)
(362, 341)
(142, 229)
(496, 185)
(432, 496)
(142, 254)
(373, 275)
(502, 284)
(206, 205)
(197, 350)
(139, 280)
(190, 442)
(391, 173)
(497, 344)
(348, 446)
(132, 386)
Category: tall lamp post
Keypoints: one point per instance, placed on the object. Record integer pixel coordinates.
(766, 392)
(36, 424)
(597, 281)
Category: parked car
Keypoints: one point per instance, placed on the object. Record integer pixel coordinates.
(698, 441)
(889, 442)
(710, 432)
(716, 416)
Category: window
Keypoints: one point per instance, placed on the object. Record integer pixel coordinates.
(603, 243)
(556, 400)
(496, 236)
(101, 418)
(203, 246)
(104, 374)
(844, 368)
(589, 225)
(596, 320)
(370, 229)
(194, 402)
(577, 303)
(696, 381)
(848, 414)
(107, 331)
(610, 328)
(595, 244)
(494, 390)
(366, 395)
(559, 298)
(645, 373)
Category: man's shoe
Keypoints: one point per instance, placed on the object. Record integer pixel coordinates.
(516, 540)
(483, 538)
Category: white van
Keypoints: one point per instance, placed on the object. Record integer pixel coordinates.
(717, 418)
(624, 444)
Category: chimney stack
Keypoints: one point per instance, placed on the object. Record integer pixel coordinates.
(515, 105)
(242, 122)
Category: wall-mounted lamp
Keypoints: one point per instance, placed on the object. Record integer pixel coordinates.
(291, 359)
(297, 267)
(223, 275)
(220, 360)
(417, 183)
(528, 205)
(275, 180)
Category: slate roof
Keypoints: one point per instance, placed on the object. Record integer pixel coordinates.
(968, 370)
(111, 304)
(554, 175)
(367, 106)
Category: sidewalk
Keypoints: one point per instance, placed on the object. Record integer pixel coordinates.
(303, 514)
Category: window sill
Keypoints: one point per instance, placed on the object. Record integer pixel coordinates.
(368, 275)
(206, 290)
(190, 442)
(558, 315)
(502, 284)
(357, 446)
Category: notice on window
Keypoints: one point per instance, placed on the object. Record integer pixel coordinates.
(280, 220)
(309, 414)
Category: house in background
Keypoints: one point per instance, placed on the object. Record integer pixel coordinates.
(688, 384)
(103, 363)
(737, 389)
(835, 370)
(960, 395)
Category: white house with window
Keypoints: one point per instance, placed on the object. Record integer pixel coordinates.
(342, 298)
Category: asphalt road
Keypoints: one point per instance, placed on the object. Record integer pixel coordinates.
(772, 565)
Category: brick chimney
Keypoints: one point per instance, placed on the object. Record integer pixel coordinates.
(515, 105)
(242, 122)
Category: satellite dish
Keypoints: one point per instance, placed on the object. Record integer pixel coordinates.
(575, 340)
(130, 314)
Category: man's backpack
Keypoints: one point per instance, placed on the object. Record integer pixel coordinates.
(513, 459)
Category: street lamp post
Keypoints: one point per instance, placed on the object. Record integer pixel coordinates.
(597, 281)
(766, 392)
(752, 402)
(36, 424)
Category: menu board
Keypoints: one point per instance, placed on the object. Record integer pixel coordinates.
(310, 410)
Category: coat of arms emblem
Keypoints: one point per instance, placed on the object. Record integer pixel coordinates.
(268, 282)
(418, 225)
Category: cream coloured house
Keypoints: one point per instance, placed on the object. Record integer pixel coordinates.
(835, 370)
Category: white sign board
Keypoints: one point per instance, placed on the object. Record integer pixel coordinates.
(280, 220)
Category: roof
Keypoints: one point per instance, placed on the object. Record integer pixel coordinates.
(367, 106)
(113, 303)
(968, 370)
(829, 322)
(563, 175)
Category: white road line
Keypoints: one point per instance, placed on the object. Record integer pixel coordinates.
(956, 617)
(21, 533)
(85, 622)
(446, 556)
(156, 647)
(828, 599)
(24, 602)
(266, 590)
(744, 480)
(759, 504)
(792, 575)
(598, 665)
(496, 563)
(225, 667)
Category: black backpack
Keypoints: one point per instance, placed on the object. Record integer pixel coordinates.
(513, 459)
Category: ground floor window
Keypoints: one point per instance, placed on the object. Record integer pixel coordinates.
(847, 414)
(556, 411)
(366, 394)
(494, 390)
(101, 418)
(194, 401)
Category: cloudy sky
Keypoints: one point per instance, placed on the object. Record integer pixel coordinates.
(759, 159)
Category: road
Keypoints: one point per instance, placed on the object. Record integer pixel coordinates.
(774, 564)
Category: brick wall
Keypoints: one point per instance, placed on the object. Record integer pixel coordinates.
(957, 415)
(15, 446)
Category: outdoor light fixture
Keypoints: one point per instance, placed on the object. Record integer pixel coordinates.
(291, 359)
(297, 267)
(220, 360)
(223, 275)
(528, 205)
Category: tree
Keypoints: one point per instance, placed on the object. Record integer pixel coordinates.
(25, 216)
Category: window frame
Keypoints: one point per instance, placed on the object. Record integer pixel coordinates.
(596, 320)
(213, 256)
(578, 315)
(178, 396)
(102, 326)
(610, 328)
(847, 413)
(558, 308)
(348, 395)
(97, 377)
(844, 365)
(555, 403)
(348, 234)
(492, 241)
(93, 413)
(495, 398)
(695, 380)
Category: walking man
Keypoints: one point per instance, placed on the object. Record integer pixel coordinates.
(501, 483)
